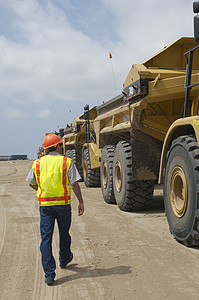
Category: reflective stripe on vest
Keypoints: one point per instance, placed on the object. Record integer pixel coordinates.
(53, 184)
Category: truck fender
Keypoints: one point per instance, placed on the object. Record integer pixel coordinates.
(182, 126)
(94, 154)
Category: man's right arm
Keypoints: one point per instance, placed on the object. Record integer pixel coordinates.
(32, 180)
(34, 186)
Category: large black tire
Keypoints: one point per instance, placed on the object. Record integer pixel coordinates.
(91, 176)
(181, 190)
(106, 174)
(129, 195)
(68, 153)
(73, 155)
(79, 161)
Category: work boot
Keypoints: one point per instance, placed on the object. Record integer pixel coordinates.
(49, 281)
(64, 264)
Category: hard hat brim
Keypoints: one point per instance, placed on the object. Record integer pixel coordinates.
(53, 145)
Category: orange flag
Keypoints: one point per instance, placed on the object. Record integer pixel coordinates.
(110, 55)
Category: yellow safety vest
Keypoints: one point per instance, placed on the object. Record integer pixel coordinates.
(52, 180)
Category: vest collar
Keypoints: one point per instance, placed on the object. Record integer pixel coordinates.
(54, 153)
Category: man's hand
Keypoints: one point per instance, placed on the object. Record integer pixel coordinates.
(80, 209)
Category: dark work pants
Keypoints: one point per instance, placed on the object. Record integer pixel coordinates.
(48, 214)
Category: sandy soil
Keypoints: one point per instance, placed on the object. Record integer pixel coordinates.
(117, 255)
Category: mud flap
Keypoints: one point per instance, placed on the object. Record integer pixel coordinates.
(146, 152)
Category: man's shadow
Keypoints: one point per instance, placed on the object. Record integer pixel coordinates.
(88, 272)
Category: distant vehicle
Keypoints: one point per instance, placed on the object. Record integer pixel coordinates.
(13, 157)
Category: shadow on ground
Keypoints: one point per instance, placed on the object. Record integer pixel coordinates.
(89, 272)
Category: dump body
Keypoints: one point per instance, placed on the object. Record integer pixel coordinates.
(154, 99)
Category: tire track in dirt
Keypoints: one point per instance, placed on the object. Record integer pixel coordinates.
(2, 218)
(21, 257)
(89, 287)
(37, 287)
(19, 238)
(13, 259)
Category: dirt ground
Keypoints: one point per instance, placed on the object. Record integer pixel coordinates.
(117, 255)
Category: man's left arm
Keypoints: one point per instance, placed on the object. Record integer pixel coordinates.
(77, 191)
(74, 176)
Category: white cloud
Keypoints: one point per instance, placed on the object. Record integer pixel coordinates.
(145, 27)
(56, 61)
(14, 113)
(54, 53)
(45, 113)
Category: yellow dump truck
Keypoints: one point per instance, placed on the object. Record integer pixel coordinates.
(77, 140)
(146, 135)
(149, 134)
(152, 135)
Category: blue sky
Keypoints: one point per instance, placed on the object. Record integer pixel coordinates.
(54, 58)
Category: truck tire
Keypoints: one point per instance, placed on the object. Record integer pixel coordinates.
(106, 174)
(181, 190)
(79, 162)
(129, 195)
(73, 155)
(91, 176)
(68, 153)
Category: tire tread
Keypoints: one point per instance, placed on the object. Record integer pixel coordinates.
(190, 144)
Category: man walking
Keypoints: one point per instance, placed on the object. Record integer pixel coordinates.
(53, 176)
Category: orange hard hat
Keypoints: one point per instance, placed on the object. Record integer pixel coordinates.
(51, 140)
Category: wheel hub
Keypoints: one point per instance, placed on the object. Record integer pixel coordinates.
(178, 192)
(104, 175)
(118, 176)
